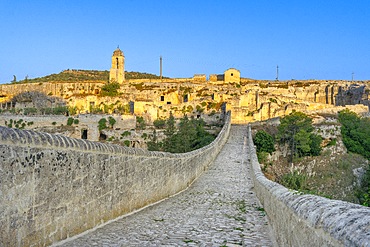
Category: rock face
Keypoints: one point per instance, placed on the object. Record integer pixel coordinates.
(352, 94)
(249, 100)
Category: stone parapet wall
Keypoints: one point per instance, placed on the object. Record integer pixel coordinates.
(53, 187)
(89, 122)
(308, 220)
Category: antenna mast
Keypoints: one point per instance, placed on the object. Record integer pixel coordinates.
(160, 67)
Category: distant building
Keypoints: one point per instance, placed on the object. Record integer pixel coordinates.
(232, 75)
(117, 71)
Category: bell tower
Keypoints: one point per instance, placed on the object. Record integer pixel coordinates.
(117, 71)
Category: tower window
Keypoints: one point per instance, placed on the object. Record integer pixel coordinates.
(232, 74)
(162, 98)
(117, 62)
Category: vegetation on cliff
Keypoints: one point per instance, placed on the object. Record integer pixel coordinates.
(355, 132)
(356, 138)
(265, 144)
(296, 131)
(338, 172)
(110, 89)
(189, 135)
(73, 75)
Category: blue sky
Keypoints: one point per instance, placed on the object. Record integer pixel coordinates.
(311, 39)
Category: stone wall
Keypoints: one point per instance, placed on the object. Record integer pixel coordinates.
(58, 123)
(53, 187)
(308, 220)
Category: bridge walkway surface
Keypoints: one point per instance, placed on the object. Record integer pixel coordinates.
(218, 209)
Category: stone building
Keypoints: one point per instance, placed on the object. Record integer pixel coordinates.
(232, 75)
(117, 71)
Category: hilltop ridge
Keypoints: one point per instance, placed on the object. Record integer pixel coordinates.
(79, 75)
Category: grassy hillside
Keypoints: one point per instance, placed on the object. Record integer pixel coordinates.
(85, 75)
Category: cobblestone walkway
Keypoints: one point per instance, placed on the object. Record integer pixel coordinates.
(219, 209)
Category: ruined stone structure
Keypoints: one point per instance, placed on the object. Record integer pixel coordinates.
(117, 71)
(87, 127)
(308, 220)
(247, 99)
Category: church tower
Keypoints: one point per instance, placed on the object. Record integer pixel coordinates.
(117, 71)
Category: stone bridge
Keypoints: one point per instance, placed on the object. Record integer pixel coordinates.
(70, 192)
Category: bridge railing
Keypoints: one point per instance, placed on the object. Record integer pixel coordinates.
(308, 220)
(53, 187)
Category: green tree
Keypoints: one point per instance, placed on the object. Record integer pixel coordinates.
(315, 144)
(189, 136)
(153, 143)
(203, 137)
(296, 130)
(355, 132)
(303, 142)
(363, 191)
(356, 137)
(264, 142)
(182, 140)
(170, 126)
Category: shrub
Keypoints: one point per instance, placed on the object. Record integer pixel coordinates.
(159, 123)
(294, 181)
(70, 121)
(72, 110)
(126, 133)
(140, 123)
(332, 142)
(199, 109)
(262, 157)
(60, 110)
(76, 121)
(110, 89)
(355, 132)
(264, 142)
(102, 124)
(111, 121)
(29, 111)
(126, 143)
